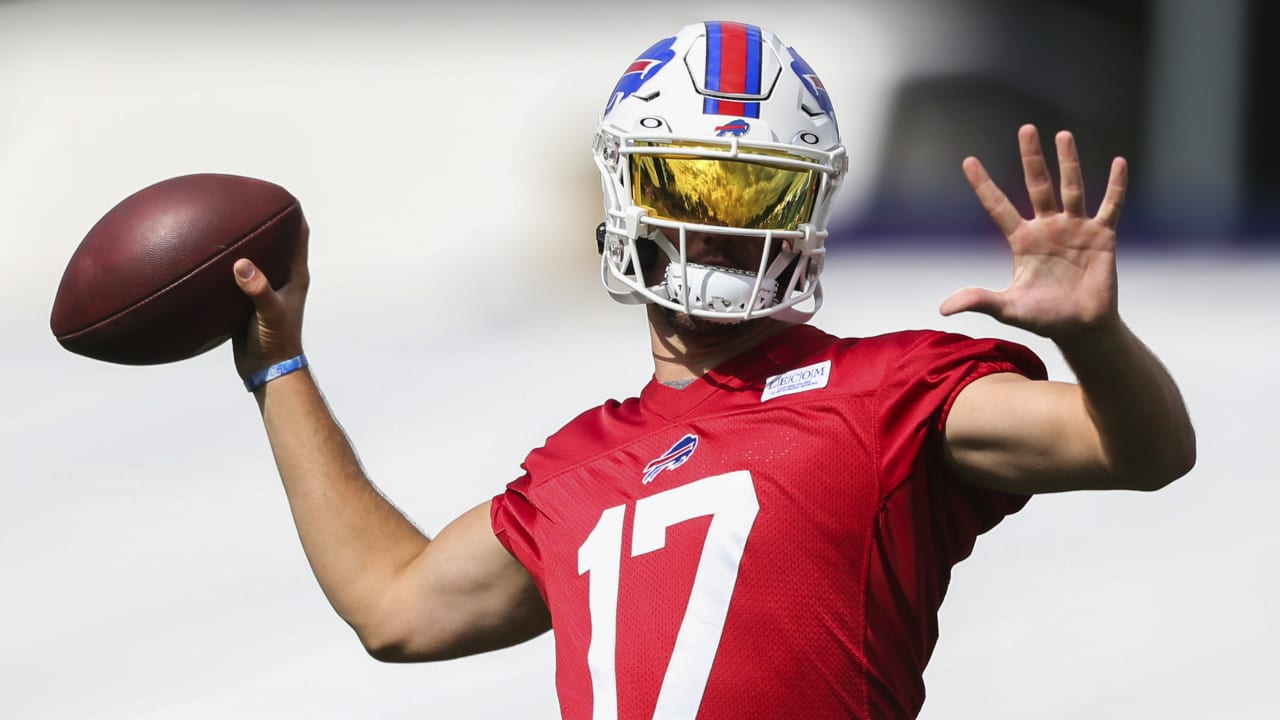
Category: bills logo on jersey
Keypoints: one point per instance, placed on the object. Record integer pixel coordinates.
(678, 455)
(639, 72)
(737, 128)
(810, 80)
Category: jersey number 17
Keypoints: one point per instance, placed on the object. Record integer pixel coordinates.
(730, 500)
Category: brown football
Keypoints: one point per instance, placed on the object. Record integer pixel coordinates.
(151, 282)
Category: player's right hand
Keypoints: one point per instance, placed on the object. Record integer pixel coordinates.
(274, 331)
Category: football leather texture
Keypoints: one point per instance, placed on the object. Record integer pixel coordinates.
(152, 281)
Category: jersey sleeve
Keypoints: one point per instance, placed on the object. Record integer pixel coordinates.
(514, 518)
(917, 394)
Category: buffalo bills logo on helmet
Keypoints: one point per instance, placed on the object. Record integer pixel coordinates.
(639, 72)
(811, 83)
(671, 459)
(737, 128)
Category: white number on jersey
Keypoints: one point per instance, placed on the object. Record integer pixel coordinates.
(730, 500)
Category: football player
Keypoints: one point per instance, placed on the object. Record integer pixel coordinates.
(767, 530)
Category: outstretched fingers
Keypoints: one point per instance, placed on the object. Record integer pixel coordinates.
(1036, 172)
(1109, 211)
(1072, 181)
(993, 199)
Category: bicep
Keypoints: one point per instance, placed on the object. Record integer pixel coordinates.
(1006, 432)
(464, 594)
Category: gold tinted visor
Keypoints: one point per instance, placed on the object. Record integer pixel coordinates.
(743, 192)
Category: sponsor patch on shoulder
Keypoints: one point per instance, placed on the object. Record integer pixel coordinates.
(809, 377)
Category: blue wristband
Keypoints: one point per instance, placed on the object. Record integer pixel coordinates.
(280, 369)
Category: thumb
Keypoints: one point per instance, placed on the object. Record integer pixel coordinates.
(254, 284)
(972, 299)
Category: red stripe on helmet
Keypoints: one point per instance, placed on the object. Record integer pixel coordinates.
(733, 61)
(730, 107)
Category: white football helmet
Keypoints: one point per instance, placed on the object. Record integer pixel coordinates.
(721, 130)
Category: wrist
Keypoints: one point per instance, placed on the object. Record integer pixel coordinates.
(1093, 350)
(257, 380)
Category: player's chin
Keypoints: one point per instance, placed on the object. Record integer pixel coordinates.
(686, 324)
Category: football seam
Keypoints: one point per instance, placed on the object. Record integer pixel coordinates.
(143, 301)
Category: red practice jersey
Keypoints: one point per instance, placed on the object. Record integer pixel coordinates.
(772, 541)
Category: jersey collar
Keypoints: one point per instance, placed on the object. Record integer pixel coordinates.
(744, 372)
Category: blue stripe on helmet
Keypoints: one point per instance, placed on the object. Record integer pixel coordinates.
(714, 41)
(753, 61)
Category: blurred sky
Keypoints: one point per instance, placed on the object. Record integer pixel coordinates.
(148, 563)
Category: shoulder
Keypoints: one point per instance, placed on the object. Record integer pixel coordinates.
(584, 437)
(906, 356)
(909, 354)
(806, 343)
(894, 346)
(908, 342)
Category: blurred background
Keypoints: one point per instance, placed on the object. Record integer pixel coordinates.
(148, 565)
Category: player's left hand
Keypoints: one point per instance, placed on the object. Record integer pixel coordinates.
(1064, 262)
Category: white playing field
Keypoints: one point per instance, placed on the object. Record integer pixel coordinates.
(148, 565)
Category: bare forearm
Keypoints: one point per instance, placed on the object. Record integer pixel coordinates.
(1135, 405)
(355, 540)
(406, 597)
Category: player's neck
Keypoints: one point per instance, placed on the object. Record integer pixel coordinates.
(684, 351)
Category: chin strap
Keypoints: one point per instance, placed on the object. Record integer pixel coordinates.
(718, 289)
